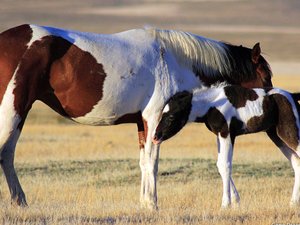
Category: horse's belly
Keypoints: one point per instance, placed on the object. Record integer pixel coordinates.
(111, 108)
(96, 121)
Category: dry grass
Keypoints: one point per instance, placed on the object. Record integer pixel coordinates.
(90, 175)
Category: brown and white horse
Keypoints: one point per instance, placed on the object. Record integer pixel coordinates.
(230, 111)
(100, 79)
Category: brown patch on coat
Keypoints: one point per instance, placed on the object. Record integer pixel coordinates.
(286, 127)
(142, 133)
(141, 125)
(130, 118)
(32, 78)
(13, 44)
(60, 74)
(215, 122)
(77, 80)
(238, 96)
(267, 119)
(236, 128)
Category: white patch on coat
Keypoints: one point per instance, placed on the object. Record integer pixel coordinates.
(252, 108)
(129, 81)
(37, 34)
(204, 99)
(166, 108)
(9, 119)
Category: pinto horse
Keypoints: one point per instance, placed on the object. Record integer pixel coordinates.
(234, 110)
(99, 79)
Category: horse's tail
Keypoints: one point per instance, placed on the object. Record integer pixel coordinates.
(296, 96)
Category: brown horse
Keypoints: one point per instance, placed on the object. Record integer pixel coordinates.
(100, 79)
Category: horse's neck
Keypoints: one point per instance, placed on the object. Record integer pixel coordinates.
(206, 56)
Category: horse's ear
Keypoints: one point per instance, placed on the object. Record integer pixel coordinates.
(255, 53)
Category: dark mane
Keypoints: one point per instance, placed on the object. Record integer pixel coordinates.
(212, 61)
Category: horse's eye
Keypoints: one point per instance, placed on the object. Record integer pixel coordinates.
(171, 117)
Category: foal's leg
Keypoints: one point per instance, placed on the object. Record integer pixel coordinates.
(295, 200)
(294, 158)
(149, 155)
(224, 165)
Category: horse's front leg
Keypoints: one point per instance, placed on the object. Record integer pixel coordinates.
(149, 156)
(224, 165)
(149, 166)
(234, 194)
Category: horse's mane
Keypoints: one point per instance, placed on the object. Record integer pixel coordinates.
(211, 60)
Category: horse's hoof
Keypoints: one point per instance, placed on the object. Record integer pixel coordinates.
(225, 207)
(19, 201)
(294, 204)
(149, 206)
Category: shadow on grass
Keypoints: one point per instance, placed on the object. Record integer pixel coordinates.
(226, 217)
(127, 172)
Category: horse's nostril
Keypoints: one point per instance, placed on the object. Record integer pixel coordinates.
(157, 136)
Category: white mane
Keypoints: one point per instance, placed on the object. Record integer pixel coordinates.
(195, 51)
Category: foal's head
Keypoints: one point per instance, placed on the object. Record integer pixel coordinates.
(175, 115)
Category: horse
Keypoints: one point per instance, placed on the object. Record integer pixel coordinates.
(229, 111)
(109, 79)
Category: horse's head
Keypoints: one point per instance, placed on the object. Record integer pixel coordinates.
(261, 68)
(174, 116)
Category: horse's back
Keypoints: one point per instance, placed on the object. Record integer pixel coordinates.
(91, 78)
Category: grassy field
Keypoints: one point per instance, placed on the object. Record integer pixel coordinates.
(90, 175)
(74, 174)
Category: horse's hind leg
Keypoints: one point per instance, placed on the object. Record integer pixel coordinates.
(13, 111)
(11, 124)
(7, 165)
(294, 158)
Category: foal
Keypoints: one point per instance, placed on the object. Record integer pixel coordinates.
(229, 111)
